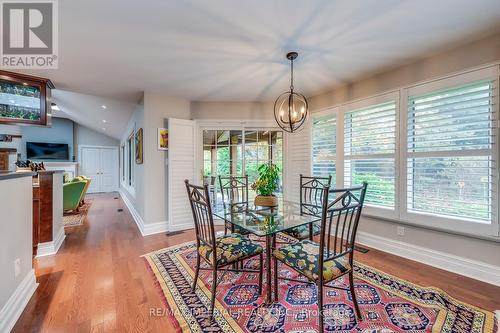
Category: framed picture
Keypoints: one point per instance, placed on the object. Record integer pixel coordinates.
(162, 139)
(138, 147)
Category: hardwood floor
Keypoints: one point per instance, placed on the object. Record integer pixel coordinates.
(99, 283)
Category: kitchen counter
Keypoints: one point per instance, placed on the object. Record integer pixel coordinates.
(11, 174)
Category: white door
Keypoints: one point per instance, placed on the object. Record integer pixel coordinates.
(109, 170)
(100, 164)
(90, 165)
(181, 157)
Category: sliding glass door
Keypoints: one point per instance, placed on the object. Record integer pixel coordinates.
(240, 151)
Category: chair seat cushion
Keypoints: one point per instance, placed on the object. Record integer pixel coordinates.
(237, 229)
(230, 248)
(303, 256)
(302, 232)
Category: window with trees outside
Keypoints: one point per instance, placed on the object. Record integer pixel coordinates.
(450, 139)
(428, 151)
(324, 146)
(240, 152)
(369, 151)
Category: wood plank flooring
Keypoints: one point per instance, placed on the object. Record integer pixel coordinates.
(99, 283)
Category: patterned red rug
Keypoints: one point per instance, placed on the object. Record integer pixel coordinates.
(388, 304)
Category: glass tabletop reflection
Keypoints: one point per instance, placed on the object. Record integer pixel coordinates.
(263, 221)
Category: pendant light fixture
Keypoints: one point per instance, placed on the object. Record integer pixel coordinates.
(290, 108)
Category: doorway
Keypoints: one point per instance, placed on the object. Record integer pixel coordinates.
(100, 164)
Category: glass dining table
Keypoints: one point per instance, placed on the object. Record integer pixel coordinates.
(263, 222)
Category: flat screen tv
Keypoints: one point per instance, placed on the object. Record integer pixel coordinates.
(47, 151)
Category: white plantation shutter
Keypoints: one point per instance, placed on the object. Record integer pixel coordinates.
(369, 151)
(324, 145)
(298, 157)
(450, 140)
(181, 157)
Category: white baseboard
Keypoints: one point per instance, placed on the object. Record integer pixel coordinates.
(16, 303)
(459, 265)
(145, 229)
(155, 228)
(180, 227)
(50, 248)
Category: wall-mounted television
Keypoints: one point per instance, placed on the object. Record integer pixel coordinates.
(47, 151)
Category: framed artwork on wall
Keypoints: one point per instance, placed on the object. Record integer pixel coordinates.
(162, 139)
(138, 147)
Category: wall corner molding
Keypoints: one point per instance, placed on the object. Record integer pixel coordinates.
(455, 264)
(145, 229)
(50, 248)
(15, 305)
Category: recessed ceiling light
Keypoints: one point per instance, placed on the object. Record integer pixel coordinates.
(104, 120)
(103, 106)
(25, 84)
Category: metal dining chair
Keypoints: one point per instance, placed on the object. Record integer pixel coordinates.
(221, 252)
(311, 200)
(333, 257)
(234, 190)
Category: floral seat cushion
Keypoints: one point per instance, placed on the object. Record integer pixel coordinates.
(303, 256)
(230, 248)
(302, 232)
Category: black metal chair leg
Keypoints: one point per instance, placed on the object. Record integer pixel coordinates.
(320, 307)
(311, 230)
(261, 272)
(353, 294)
(197, 271)
(214, 285)
(276, 271)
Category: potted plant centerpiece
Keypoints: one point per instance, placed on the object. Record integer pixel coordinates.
(266, 185)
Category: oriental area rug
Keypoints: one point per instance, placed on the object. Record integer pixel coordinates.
(388, 304)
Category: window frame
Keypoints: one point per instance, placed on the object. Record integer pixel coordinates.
(431, 220)
(334, 111)
(250, 127)
(401, 214)
(392, 96)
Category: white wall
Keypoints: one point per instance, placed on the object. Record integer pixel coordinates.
(134, 196)
(15, 243)
(157, 109)
(87, 136)
(149, 197)
(232, 110)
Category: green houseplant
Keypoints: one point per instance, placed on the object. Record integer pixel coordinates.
(266, 185)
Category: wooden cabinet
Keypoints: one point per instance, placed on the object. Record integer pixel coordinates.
(43, 217)
(25, 99)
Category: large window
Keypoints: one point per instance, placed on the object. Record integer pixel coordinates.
(239, 152)
(450, 138)
(369, 151)
(324, 146)
(428, 151)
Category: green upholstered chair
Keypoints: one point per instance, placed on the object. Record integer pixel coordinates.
(87, 180)
(72, 194)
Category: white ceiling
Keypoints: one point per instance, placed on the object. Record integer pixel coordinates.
(226, 50)
(88, 111)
